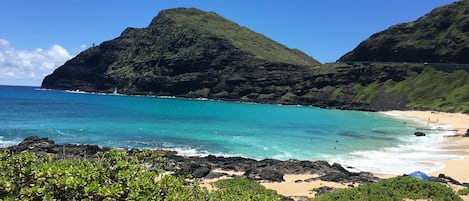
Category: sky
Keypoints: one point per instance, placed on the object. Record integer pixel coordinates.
(36, 37)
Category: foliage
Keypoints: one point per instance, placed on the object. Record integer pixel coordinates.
(398, 188)
(464, 191)
(242, 189)
(365, 94)
(241, 37)
(115, 175)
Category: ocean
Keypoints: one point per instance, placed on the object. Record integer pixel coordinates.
(362, 141)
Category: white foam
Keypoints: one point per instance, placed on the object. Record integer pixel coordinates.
(415, 153)
(7, 143)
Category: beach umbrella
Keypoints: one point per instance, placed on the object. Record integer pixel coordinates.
(419, 175)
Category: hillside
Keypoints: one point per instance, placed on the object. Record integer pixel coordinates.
(441, 36)
(195, 54)
(183, 52)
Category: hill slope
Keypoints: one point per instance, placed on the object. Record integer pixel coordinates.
(183, 52)
(195, 54)
(441, 36)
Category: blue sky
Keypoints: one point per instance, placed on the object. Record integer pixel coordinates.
(38, 36)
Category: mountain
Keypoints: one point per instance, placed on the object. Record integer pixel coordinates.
(186, 53)
(195, 54)
(441, 36)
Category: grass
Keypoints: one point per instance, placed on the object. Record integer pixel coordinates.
(242, 189)
(398, 188)
(241, 37)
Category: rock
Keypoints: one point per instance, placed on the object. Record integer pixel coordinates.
(199, 167)
(46, 146)
(449, 179)
(214, 175)
(336, 177)
(323, 189)
(415, 42)
(419, 134)
(270, 174)
(201, 172)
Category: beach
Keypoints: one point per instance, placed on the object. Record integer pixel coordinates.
(298, 186)
(455, 144)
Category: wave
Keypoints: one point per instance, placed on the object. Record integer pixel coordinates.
(7, 143)
(414, 153)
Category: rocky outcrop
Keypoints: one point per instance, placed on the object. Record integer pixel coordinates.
(186, 53)
(194, 54)
(202, 167)
(441, 36)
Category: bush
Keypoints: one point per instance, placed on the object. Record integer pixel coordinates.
(114, 175)
(242, 189)
(397, 188)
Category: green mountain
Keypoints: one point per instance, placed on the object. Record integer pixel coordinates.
(195, 54)
(183, 52)
(441, 36)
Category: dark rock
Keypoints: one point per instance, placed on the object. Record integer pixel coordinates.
(271, 175)
(447, 179)
(214, 175)
(419, 134)
(284, 198)
(198, 167)
(201, 172)
(46, 146)
(335, 177)
(467, 133)
(323, 190)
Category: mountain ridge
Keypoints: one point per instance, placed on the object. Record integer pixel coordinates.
(188, 53)
(441, 36)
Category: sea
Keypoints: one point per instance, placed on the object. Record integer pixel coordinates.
(360, 141)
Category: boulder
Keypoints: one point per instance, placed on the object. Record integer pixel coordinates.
(419, 134)
(467, 133)
(201, 172)
(270, 174)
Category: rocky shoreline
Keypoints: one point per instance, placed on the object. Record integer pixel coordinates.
(213, 167)
(203, 167)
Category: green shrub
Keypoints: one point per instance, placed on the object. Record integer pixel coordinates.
(464, 191)
(398, 188)
(242, 189)
(114, 175)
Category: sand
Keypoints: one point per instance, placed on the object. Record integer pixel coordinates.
(299, 187)
(459, 145)
(295, 185)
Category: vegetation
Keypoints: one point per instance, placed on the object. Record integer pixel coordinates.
(440, 36)
(237, 188)
(114, 175)
(464, 191)
(398, 188)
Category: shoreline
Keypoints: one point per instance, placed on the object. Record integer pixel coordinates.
(454, 144)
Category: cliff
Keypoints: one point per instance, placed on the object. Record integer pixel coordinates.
(441, 36)
(183, 52)
(195, 54)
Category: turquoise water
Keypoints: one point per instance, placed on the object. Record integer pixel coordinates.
(201, 127)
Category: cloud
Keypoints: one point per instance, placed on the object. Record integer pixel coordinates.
(29, 67)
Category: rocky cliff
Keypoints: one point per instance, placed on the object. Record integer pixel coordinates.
(183, 52)
(441, 36)
(195, 54)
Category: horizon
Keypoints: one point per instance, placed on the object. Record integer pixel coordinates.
(37, 38)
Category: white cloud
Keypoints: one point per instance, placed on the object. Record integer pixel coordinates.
(26, 67)
(4, 42)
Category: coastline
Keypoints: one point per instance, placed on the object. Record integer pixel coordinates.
(454, 144)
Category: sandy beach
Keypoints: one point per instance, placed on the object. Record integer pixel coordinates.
(457, 144)
(299, 186)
